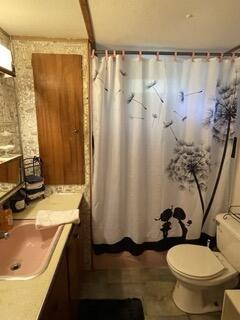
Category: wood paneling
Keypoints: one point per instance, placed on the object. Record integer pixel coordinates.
(75, 258)
(59, 104)
(5, 33)
(57, 304)
(88, 20)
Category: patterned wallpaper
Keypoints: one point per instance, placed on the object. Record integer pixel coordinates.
(9, 130)
(22, 50)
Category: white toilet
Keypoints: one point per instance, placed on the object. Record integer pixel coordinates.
(203, 275)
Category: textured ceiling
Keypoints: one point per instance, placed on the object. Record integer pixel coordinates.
(43, 18)
(162, 23)
(151, 24)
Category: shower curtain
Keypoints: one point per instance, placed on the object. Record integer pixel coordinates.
(164, 149)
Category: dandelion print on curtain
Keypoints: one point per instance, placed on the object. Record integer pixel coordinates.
(163, 149)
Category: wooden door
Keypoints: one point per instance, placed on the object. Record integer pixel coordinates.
(59, 105)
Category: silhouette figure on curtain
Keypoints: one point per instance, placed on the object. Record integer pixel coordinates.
(178, 214)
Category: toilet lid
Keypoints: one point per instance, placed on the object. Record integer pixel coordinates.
(194, 261)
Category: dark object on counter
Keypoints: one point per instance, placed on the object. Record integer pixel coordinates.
(18, 201)
(108, 309)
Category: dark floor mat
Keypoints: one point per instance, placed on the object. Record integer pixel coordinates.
(108, 309)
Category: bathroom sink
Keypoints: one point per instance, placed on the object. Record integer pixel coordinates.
(27, 252)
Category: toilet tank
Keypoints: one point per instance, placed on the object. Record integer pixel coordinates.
(228, 239)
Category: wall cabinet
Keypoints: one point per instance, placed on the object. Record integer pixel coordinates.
(10, 171)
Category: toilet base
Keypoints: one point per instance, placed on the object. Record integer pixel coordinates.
(196, 300)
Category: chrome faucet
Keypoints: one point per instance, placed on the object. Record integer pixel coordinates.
(4, 235)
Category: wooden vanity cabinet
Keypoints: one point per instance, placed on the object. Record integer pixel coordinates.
(66, 282)
(75, 260)
(57, 303)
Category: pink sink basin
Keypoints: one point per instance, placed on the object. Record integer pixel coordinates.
(27, 252)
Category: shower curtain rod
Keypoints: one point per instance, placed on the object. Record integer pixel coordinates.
(167, 53)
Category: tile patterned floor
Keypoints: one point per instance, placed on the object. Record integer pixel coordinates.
(153, 286)
(123, 260)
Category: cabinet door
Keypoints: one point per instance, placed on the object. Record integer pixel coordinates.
(75, 261)
(57, 304)
(59, 106)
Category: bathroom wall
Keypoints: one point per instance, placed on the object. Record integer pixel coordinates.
(23, 48)
(8, 107)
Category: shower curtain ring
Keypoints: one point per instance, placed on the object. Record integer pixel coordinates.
(93, 53)
(114, 54)
(193, 56)
(221, 57)
(123, 54)
(106, 54)
(157, 56)
(233, 57)
(175, 56)
(208, 56)
(140, 55)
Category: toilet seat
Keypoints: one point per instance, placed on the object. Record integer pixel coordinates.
(194, 262)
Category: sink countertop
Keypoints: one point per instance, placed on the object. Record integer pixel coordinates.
(23, 299)
(56, 201)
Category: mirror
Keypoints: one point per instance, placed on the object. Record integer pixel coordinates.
(9, 128)
(10, 175)
(10, 146)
